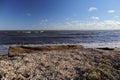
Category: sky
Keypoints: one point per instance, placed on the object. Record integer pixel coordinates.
(59, 14)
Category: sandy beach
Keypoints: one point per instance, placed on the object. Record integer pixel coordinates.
(70, 63)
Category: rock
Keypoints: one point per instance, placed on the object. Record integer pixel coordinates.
(16, 50)
(106, 48)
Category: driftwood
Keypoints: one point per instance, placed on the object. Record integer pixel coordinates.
(16, 50)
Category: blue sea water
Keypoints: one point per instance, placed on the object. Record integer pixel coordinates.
(88, 38)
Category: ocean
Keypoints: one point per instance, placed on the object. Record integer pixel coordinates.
(88, 38)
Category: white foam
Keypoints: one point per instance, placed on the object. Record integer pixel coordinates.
(113, 44)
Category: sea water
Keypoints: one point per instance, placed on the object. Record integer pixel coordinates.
(88, 38)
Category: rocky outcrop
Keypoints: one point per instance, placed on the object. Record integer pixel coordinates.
(16, 50)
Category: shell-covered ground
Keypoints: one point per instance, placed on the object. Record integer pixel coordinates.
(72, 64)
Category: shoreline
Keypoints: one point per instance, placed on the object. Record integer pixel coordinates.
(114, 44)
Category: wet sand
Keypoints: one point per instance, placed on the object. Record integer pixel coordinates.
(61, 64)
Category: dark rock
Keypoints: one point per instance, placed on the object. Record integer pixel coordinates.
(106, 48)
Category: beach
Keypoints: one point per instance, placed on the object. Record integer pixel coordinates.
(59, 40)
(62, 63)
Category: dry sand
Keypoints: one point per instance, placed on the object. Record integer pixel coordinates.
(62, 64)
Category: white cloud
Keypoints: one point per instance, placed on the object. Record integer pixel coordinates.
(111, 11)
(112, 22)
(77, 25)
(116, 16)
(92, 9)
(44, 22)
(95, 18)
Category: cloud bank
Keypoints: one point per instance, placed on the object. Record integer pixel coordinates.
(77, 25)
(111, 11)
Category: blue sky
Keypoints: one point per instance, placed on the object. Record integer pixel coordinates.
(59, 14)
